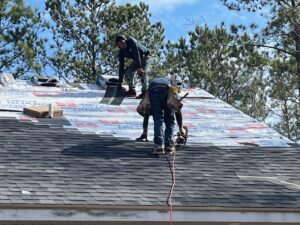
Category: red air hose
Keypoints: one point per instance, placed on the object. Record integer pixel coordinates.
(169, 200)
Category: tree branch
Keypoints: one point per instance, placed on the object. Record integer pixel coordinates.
(7, 63)
(272, 47)
(284, 3)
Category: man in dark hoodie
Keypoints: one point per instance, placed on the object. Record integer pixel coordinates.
(131, 48)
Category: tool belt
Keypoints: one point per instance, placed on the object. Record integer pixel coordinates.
(173, 103)
(144, 107)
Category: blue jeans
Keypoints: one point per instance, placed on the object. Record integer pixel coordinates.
(161, 113)
(130, 70)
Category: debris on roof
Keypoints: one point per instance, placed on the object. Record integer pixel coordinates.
(43, 111)
(46, 81)
(6, 79)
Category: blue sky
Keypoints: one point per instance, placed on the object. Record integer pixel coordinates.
(180, 16)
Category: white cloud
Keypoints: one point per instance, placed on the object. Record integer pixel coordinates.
(161, 5)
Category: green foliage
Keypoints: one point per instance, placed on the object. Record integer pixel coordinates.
(177, 59)
(84, 33)
(77, 26)
(19, 38)
(219, 62)
(284, 95)
(132, 20)
(249, 5)
(281, 36)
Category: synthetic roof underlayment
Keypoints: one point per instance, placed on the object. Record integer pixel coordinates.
(209, 119)
(55, 173)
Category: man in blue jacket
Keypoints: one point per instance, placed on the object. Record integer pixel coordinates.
(131, 48)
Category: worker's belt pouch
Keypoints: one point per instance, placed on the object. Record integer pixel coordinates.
(144, 108)
(173, 103)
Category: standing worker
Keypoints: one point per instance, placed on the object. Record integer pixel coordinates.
(158, 94)
(131, 48)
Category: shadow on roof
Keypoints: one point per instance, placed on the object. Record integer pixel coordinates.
(110, 148)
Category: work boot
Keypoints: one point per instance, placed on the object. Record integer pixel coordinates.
(112, 82)
(130, 93)
(158, 150)
(170, 149)
(143, 137)
(140, 96)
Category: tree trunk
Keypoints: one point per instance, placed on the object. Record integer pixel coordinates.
(297, 44)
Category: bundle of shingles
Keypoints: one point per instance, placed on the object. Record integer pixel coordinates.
(43, 111)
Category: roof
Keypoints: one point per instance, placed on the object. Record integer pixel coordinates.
(77, 162)
(209, 119)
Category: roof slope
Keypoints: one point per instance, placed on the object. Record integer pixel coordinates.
(46, 164)
(89, 157)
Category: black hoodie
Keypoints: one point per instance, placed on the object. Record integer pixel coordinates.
(135, 51)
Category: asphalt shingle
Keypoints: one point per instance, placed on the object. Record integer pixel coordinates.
(47, 164)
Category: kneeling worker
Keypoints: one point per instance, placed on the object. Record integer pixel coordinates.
(131, 48)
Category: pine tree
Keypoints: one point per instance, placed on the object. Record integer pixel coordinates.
(281, 37)
(215, 60)
(84, 32)
(20, 43)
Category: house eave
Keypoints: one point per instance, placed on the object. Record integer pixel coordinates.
(149, 213)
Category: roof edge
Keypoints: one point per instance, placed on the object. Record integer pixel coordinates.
(141, 215)
(145, 207)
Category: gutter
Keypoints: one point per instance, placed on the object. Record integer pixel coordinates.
(148, 213)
